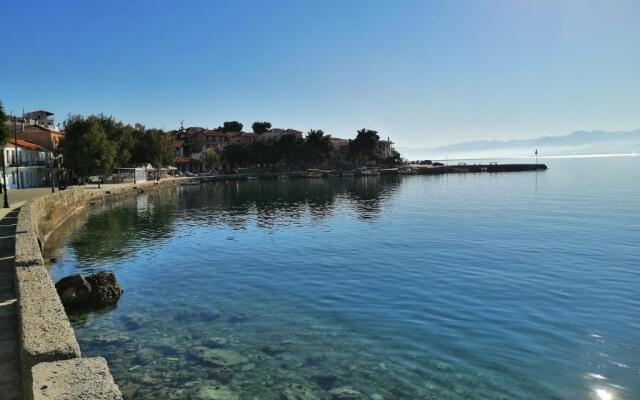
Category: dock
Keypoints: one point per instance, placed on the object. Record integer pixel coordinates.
(475, 168)
(416, 169)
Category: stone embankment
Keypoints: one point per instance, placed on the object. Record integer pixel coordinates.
(51, 362)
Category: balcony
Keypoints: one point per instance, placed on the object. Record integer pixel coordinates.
(12, 164)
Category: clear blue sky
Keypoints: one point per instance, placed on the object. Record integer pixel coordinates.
(423, 72)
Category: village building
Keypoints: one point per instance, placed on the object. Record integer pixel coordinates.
(26, 164)
(36, 127)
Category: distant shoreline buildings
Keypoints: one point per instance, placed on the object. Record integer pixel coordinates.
(34, 138)
(190, 144)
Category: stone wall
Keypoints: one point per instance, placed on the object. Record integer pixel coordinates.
(46, 336)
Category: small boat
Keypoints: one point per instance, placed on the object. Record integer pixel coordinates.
(369, 172)
(252, 178)
(406, 171)
(313, 173)
(347, 174)
(283, 177)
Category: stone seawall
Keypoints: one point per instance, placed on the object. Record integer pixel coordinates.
(52, 366)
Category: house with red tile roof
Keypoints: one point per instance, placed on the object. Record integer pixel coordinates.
(26, 164)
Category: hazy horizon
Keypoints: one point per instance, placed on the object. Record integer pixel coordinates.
(423, 73)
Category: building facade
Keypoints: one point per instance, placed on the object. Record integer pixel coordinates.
(26, 164)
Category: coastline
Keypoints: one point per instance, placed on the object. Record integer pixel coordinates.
(50, 356)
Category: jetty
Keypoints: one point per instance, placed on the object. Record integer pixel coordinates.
(423, 169)
(411, 169)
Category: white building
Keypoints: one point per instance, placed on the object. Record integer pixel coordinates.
(26, 165)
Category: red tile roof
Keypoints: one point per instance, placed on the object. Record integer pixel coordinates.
(181, 160)
(24, 144)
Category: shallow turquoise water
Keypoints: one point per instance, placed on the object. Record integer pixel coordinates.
(476, 286)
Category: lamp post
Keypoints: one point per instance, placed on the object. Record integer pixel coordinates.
(4, 182)
(15, 144)
(52, 172)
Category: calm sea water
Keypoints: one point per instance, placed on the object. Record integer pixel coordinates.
(476, 286)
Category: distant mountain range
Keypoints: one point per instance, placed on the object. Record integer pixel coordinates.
(576, 143)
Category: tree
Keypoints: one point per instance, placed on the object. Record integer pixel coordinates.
(231, 126)
(153, 146)
(210, 159)
(317, 147)
(4, 129)
(4, 138)
(260, 127)
(234, 154)
(85, 148)
(123, 137)
(289, 148)
(363, 147)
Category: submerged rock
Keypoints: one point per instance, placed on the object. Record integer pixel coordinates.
(216, 392)
(94, 291)
(218, 357)
(273, 349)
(298, 392)
(216, 342)
(325, 381)
(135, 321)
(346, 393)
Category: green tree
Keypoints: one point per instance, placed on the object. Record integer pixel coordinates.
(85, 148)
(153, 146)
(289, 148)
(317, 147)
(234, 154)
(363, 147)
(4, 138)
(4, 129)
(231, 126)
(260, 127)
(123, 136)
(210, 159)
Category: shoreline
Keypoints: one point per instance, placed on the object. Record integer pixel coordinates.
(50, 356)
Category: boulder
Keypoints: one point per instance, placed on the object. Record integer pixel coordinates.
(105, 289)
(94, 291)
(73, 290)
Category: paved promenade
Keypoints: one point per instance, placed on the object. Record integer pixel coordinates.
(9, 346)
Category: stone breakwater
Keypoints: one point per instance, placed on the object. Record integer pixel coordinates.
(51, 361)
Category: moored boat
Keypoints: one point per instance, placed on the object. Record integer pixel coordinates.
(314, 173)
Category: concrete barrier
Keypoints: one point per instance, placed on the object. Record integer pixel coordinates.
(46, 336)
(79, 378)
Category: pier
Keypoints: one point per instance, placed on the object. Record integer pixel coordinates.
(475, 168)
(412, 169)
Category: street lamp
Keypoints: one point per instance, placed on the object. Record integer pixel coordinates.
(4, 182)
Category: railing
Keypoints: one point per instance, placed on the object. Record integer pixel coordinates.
(13, 164)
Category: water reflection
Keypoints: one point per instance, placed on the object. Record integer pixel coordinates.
(117, 230)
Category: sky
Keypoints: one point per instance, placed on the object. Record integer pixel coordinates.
(425, 73)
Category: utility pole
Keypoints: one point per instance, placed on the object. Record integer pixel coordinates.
(536, 156)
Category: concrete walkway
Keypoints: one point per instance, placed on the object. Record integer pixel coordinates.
(9, 339)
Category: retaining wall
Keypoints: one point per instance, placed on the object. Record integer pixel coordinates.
(46, 336)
